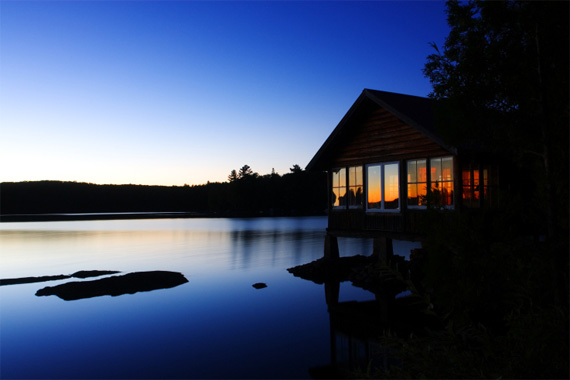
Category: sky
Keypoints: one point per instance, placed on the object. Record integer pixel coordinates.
(182, 92)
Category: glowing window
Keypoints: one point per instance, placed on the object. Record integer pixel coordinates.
(442, 181)
(471, 187)
(479, 186)
(383, 190)
(355, 186)
(339, 188)
(417, 183)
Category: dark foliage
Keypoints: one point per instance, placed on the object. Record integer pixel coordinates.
(503, 299)
(503, 79)
(298, 193)
(498, 279)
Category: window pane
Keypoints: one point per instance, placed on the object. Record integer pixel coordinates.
(466, 177)
(355, 176)
(435, 164)
(421, 170)
(447, 169)
(355, 196)
(391, 186)
(422, 194)
(447, 194)
(339, 188)
(336, 177)
(412, 170)
(342, 197)
(342, 177)
(335, 197)
(413, 195)
(374, 186)
(338, 197)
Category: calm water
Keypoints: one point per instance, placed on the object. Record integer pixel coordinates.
(215, 326)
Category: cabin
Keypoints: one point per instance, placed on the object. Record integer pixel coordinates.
(386, 165)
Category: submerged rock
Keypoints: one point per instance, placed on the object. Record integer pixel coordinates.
(115, 286)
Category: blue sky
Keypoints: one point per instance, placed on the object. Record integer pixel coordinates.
(173, 93)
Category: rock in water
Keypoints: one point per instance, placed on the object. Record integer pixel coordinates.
(115, 286)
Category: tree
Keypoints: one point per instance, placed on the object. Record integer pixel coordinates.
(296, 169)
(503, 73)
(246, 172)
(233, 176)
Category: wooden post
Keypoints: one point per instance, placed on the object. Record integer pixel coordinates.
(331, 247)
(383, 249)
(332, 290)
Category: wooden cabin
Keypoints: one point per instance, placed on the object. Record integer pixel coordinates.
(387, 165)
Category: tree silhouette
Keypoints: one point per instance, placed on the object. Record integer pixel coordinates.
(503, 73)
(233, 176)
(296, 169)
(246, 172)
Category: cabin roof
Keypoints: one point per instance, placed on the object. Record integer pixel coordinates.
(415, 111)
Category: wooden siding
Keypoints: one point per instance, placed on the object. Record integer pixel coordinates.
(382, 137)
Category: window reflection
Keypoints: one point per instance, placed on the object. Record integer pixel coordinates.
(442, 181)
(417, 183)
(391, 187)
(374, 187)
(383, 187)
(339, 187)
(355, 186)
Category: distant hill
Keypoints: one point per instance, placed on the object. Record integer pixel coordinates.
(291, 194)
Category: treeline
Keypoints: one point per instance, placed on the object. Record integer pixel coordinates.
(245, 194)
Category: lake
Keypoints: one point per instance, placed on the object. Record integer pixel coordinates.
(217, 325)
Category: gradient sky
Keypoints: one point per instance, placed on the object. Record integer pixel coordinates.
(173, 93)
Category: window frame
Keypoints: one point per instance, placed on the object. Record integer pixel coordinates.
(333, 187)
(350, 199)
(426, 183)
(452, 181)
(430, 183)
(382, 208)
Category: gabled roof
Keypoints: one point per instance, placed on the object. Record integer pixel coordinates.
(415, 111)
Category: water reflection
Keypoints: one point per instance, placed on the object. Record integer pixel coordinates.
(216, 326)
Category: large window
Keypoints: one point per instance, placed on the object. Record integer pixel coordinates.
(355, 187)
(383, 187)
(430, 181)
(471, 189)
(339, 188)
(417, 183)
(441, 179)
(479, 186)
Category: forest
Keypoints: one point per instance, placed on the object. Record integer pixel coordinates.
(246, 193)
(499, 280)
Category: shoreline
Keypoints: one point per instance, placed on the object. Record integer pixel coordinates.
(68, 217)
(63, 217)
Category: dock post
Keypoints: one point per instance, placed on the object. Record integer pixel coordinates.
(332, 291)
(383, 249)
(331, 247)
